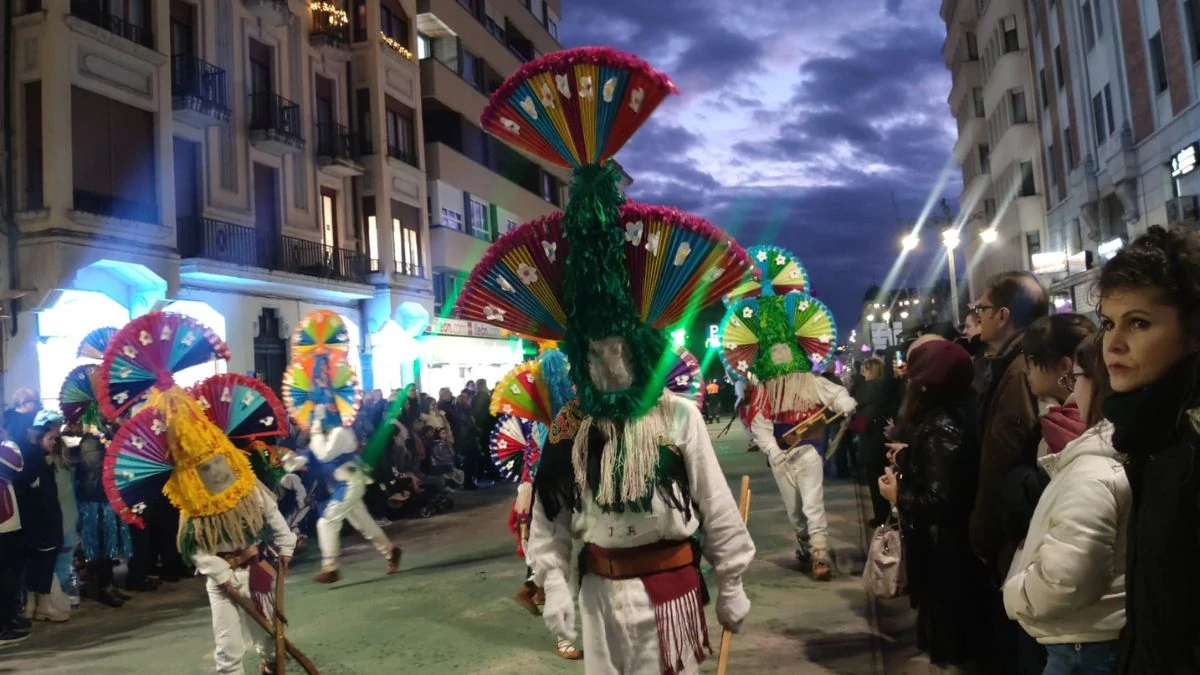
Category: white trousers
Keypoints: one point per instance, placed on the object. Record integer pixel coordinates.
(801, 481)
(227, 626)
(349, 509)
(620, 636)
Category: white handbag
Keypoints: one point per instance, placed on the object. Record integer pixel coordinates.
(885, 575)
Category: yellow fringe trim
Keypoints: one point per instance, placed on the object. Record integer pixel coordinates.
(237, 527)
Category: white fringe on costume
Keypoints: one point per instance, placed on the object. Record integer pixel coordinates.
(635, 453)
(794, 392)
(524, 498)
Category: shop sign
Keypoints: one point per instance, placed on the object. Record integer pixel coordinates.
(1053, 262)
(714, 336)
(1184, 161)
(1079, 262)
(463, 328)
(1109, 248)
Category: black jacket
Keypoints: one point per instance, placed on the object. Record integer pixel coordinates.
(1162, 587)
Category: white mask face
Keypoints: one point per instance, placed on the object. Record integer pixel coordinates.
(216, 475)
(781, 355)
(609, 364)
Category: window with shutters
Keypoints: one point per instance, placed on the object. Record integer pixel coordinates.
(1012, 42)
(1089, 32)
(477, 223)
(114, 158)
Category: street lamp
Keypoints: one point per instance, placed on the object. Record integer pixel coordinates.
(903, 315)
(887, 316)
(911, 242)
(871, 318)
(951, 241)
(989, 235)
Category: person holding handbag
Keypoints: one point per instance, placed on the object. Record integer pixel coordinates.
(933, 488)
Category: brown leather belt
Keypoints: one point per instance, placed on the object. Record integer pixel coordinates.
(627, 563)
(240, 559)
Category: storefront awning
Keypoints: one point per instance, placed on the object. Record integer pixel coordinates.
(446, 350)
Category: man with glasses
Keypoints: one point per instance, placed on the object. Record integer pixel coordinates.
(1007, 424)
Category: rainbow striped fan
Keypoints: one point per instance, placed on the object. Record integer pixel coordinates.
(577, 106)
(319, 332)
(522, 393)
(137, 465)
(777, 272)
(516, 446)
(94, 343)
(77, 398)
(685, 378)
(241, 406)
(676, 262)
(808, 321)
(147, 352)
(321, 379)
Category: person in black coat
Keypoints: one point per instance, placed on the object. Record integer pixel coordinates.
(1150, 317)
(933, 492)
(41, 516)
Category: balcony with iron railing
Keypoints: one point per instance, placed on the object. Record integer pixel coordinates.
(408, 269)
(240, 245)
(198, 91)
(403, 154)
(114, 207)
(275, 123)
(330, 29)
(336, 146)
(96, 13)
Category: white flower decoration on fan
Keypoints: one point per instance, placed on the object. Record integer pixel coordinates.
(747, 312)
(781, 260)
(633, 232)
(815, 358)
(735, 322)
(137, 442)
(493, 313)
(529, 107)
(564, 85)
(551, 250)
(803, 305)
(635, 99)
(121, 397)
(188, 339)
(268, 421)
(145, 339)
(794, 274)
(547, 96)
(825, 339)
(502, 444)
(742, 365)
(683, 380)
(204, 404)
(730, 345)
(652, 241)
(248, 398)
(527, 274)
(587, 87)
(158, 427)
(165, 333)
(226, 395)
(682, 252)
(761, 256)
(504, 285)
(129, 351)
(610, 88)
(125, 372)
(510, 125)
(138, 508)
(515, 388)
(528, 378)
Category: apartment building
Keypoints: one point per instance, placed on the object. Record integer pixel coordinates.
(479, 187)
(1119, 129)
(987, 50)
(240, 161)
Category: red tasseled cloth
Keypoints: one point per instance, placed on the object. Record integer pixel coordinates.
(262, 588)
(679, 614)
(514, 526)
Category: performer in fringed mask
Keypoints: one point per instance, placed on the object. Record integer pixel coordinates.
(177, 444)
(629, 469)
(775, 335)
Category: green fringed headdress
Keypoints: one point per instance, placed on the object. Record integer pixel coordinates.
(602, 268)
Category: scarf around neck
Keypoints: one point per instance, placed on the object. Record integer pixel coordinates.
(1060, 426)
(1151, 418)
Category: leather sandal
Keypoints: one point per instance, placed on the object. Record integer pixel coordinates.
(525, 598)
(327, 576)
(566, 650)
(822, 570)
(394, 560)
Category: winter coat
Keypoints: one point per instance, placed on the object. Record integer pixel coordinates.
(1162, 588)
(1069, 583)
(1008, 437)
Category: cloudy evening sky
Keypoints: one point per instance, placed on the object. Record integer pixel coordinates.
(796, 121)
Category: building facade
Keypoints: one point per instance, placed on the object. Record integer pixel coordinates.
(1119, 131)
(479, 188)
(240, 161)
(987, 50)
(890, 318)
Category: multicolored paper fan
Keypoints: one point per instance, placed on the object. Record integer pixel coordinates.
(516, 446)
(319, 332)
(147, 352)
(813, 325)
(576, 106)
(804, 319)
(321, 379)
(77, 398)
(94, 343)
(777, 272)
(522, 392)
(676, 262)
(518, 283)
(685, 378)
(137, 465)
(241, 406)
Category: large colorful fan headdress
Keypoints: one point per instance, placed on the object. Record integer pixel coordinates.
(776, 272)
(77, 398)
(778, 334)
(242, 407)
(171, 444)
(321, 380)
(320, 332)
(93, 345)
(684, 377)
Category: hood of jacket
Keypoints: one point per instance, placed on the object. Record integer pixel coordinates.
(1094, 442)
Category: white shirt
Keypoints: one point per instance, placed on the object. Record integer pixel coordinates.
(214, 567)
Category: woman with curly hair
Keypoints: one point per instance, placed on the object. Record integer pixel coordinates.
(1150, 318)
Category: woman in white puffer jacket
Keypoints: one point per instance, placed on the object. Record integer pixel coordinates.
(1067, 585)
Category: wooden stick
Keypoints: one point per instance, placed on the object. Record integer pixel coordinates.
(280, 639)
(726, 634)
(252, 612)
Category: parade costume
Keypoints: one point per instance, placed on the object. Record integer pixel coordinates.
(174, 445)
(320, 390)
(775, 333)
(629, 469)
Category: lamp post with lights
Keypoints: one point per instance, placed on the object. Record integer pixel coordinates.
(950, 240)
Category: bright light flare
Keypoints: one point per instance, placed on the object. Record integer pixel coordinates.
(989, 235)
(911, 242)
(950, 238)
